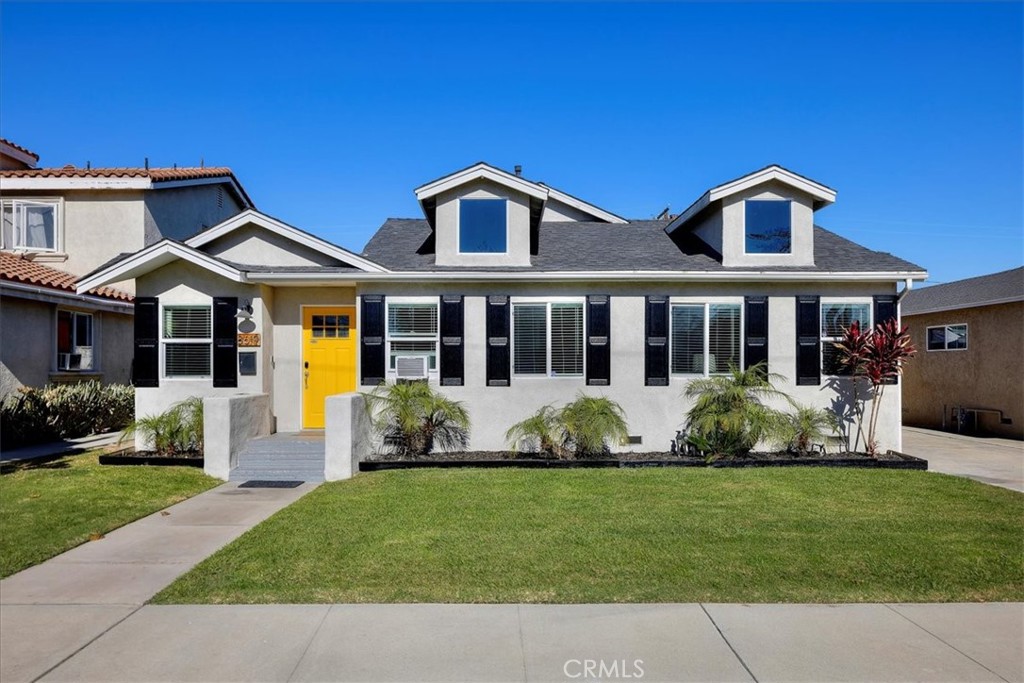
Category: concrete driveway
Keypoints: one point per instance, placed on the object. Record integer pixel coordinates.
(999, 462)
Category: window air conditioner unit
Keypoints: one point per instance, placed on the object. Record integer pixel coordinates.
(69, 361)
(411, 367)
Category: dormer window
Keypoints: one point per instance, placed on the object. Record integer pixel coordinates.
(483, 226)
(769, 227)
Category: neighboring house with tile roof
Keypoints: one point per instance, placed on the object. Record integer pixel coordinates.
(60, 223)
(509, 294)
(968, 375)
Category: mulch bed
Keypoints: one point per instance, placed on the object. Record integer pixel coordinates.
(129, 456)
(889, 460)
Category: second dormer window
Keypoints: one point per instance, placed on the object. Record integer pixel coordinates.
(769, 227)
(483, 226)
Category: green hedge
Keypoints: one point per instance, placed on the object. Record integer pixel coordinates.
(64, 411)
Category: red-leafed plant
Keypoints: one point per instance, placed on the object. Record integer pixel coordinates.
(877, 356)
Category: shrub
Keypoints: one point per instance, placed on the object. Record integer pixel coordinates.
(412, 419)
(179, 429)
(579, 429)
(64, 411)
(807, 426)
(729, 417)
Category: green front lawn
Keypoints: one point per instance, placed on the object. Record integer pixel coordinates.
(656, 535)
(49, 507)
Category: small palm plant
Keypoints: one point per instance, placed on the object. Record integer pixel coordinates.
(177, 430)
(729, 416)
(807, 426)
(584, 428)
(413, 419)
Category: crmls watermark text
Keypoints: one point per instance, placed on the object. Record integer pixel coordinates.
(600, 669)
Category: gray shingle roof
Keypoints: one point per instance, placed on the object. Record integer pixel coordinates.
(405, 244)
(976, 291)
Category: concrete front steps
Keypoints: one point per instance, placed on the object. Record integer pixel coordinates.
(282, 457)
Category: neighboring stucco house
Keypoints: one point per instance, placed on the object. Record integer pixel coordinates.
(968, 374)
(60, 223)
(509, 294)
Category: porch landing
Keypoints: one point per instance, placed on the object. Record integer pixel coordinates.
(285, 456)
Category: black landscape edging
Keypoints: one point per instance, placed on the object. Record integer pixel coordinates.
(906, 462)
(127, 456)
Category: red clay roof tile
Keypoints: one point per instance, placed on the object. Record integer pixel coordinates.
(17, 268)
(20, 148)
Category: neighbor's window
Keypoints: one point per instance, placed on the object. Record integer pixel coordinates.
(835, 317)
(74, 341)
(187, 341)
(547, 338)
(768, 226)
(705, 339)
(412, 331)
(947, 338)
(30, 225)
(482, 226)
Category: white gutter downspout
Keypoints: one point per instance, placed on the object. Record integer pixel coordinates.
(908, 284)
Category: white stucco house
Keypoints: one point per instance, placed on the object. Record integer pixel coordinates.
(60, 223)
(509, 294)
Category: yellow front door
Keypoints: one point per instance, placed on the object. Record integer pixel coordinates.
(329, 339)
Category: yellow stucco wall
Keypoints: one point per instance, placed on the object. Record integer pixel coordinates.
(988, 374)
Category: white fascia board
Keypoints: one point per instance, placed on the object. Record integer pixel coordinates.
(961, 307)
(583, 206)
(94, 183)
(31, 292)
(153, 257)
(15, 153)
(215, 180)
(824, 195)
(481, 171)
(308, 278)
(254, 217)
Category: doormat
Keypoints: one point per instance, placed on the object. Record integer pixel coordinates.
(261, 484)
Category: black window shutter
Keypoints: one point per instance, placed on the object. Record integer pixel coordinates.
(225, 341)
(498, 342)
(371, 341)
(756, 344)
(146, 366)
(885, 310)
(599, 340)
(808, 341)
(656, 342)
(452, 325)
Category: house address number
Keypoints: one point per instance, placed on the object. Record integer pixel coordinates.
(248, 340)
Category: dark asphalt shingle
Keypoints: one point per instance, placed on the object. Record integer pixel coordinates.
(405, 244)
(1007, 285)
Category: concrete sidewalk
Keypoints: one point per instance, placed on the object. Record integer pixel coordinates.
(999, 462)
(688, 642)
(65, 447)
(50, 611)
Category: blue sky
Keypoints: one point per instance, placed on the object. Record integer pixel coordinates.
(331, 113)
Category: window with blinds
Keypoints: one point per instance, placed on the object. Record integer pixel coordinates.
(705, 338)
(835, 317)
(412, 331)
(187, 341)
(547, 339)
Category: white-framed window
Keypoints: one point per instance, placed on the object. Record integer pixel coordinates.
(547, 337)
(837, 315)
(187, 340)
(947, 337)
(412, 329)
(30, 224)
(706, 337)
(75, 346)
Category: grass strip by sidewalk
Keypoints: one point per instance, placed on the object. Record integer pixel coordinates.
(52, 506)
(654, 535)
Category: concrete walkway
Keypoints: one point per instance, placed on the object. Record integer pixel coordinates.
(999, 462)
(65, 447)
(689, 642)
(50, 611)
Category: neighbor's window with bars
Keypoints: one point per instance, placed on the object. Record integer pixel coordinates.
(187, 341)
(705, 338)
(547, 338)
(30, 225)
(835, 317)
(412, 331)
(947, 338)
